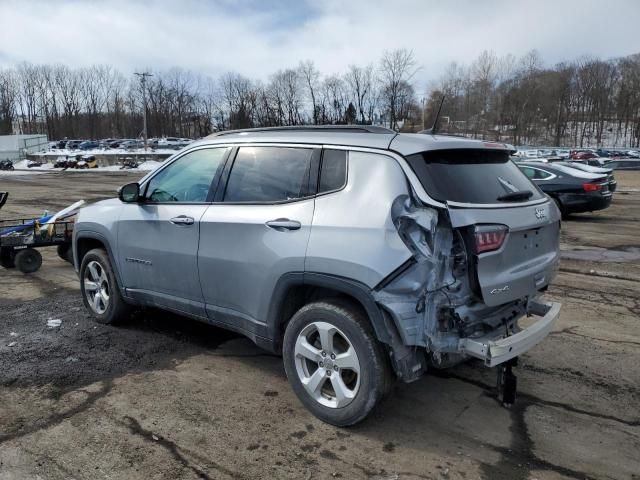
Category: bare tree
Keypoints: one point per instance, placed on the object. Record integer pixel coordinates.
(587, 101)
(397, 68)
(360, 82)
(8, 100)
(311, 78)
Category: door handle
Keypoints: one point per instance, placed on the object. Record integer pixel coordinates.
(284, 224)
(182, 220)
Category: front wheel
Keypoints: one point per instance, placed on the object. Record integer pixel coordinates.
(100, 292)
(28, 260)
(333, 362)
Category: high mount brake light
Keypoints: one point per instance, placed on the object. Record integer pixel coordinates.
(591, 187)
(489, 237)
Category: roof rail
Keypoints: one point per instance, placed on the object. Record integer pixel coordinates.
(312, 128)
(444, 134)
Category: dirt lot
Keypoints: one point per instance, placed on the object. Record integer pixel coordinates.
(168, 398)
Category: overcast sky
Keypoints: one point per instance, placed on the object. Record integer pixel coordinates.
(256, 37)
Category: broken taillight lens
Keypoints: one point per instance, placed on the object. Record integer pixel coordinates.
(489, 237)
(591, 187)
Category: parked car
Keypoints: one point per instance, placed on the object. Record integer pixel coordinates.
(548, 159)
(360, 254)
(597, 170)
(624, 164)
(88, 145)
(114, 143)
(572, 190)
(603, 153)
(594, 161)
(173, 142)
(582, 154)
(73, 144)
(131, 144)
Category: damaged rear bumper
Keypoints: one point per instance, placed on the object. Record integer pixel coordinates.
(496, 351)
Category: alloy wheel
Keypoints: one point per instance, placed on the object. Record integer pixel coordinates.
(327, 365)
(96, 287)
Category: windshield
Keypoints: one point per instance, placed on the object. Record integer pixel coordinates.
(472, 176)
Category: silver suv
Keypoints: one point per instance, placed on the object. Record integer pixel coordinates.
(360, 254)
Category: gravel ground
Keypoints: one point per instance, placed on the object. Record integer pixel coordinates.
(166, 397)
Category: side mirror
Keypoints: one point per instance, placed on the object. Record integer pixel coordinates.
(129, 193)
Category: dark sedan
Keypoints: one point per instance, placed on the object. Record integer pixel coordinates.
(573, 190)
(613, 184)
(624, 164)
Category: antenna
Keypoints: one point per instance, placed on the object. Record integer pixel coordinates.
(434, 129)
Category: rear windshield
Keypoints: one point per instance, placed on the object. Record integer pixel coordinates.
(472, 176)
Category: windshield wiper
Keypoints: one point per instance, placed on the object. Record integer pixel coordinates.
(514, 196)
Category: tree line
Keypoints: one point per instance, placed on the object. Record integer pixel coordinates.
(584, 102)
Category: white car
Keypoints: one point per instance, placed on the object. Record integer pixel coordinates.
(173, 142)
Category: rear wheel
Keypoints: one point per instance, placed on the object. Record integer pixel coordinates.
(563, 210)
(28, 260)
(335, 365)
(100, 291)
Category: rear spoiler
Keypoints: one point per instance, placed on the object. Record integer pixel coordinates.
(503, 146)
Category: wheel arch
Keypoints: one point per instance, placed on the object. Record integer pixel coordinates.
(294, 290)
(86, 241)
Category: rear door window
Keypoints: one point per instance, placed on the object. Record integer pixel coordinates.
(471, 176)
(333, 173)
(269, 174)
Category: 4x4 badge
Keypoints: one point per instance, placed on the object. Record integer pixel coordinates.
(540, 213)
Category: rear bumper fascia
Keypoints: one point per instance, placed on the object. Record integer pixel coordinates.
(496, 351)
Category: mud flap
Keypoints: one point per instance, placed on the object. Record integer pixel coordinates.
(507, 382)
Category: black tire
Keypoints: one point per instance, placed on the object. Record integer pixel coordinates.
(28, 260)
(375, 371)
(117, 311)
(7, 258)
(563, 210)
(65, 252)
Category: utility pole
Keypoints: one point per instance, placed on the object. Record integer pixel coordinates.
(143, 82)
(423, 99)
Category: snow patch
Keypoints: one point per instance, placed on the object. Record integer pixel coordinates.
(54, 322)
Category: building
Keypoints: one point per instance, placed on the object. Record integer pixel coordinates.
(16, 147)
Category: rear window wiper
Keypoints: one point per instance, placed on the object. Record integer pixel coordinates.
(514, 196)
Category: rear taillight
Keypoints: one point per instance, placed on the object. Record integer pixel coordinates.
(591, 187)
(489, 237)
